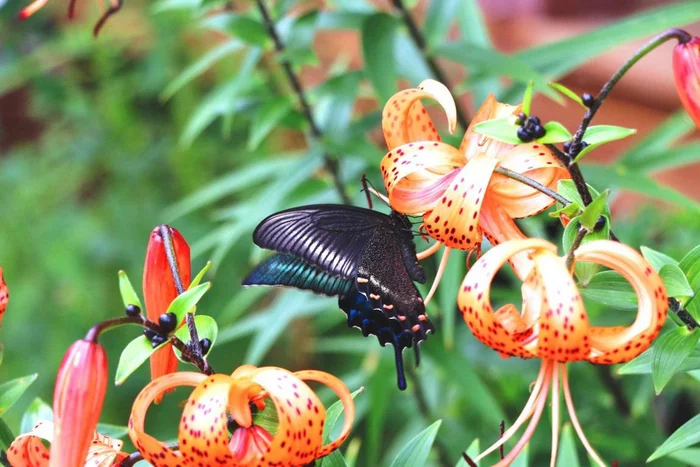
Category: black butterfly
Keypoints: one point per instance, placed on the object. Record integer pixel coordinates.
(366, 258)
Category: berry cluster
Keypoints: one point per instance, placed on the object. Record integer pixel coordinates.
(167, 322)
(530, 128)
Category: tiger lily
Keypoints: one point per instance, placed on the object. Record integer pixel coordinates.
(686, 73)
(203, 436)
(553, 325)
(4, 295)
(456, 190)
(28, 450)
(160, 288)
(36, 5)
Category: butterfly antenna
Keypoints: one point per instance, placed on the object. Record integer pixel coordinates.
(400, 375)
(368, 188)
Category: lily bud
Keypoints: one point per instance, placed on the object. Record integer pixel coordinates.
(159, 288)
(80, 390)
(686, 73)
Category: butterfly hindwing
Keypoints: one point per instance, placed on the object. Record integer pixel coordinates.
(288, 270)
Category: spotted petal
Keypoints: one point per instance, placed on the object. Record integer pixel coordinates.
(405, 120)
(623, 343)
(474, 143)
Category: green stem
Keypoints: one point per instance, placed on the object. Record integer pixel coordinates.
(582, 231)
(533, 184)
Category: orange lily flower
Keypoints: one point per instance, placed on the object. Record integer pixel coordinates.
(456, 190)
(203, 437)
(4, 295)
(553, 324)
(686, 73)
(160, 289)
(28, 450)
(81, 385)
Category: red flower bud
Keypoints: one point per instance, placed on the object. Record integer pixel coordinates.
(686, 72)
(159, 288)
(80, 390)
(4, 296)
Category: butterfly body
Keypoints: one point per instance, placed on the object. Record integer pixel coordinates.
(364, 257)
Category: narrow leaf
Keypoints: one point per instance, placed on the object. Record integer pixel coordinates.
(12, 390)
(6, 436)
(669, 352)
(438, 19)
(556, 133)
(416, 452)
(378, 52)
(266, 118)
(568, 93)
(113, 431)
(206, 329)
(599, 134)
(133, 356)
(38, 411)
(642, 364)
(186, 301)
(594, 210)
(675, 281)
(198, 278)
(527, 97)
(656, 258)
(129, 296)
(611, 289)
(501, 129)
(685, 436)
(567, 449)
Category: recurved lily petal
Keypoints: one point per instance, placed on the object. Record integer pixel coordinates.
(4, 296)
(159, 288)
(28, 450)
(623, 343)
(203, 434)
(405, 120)
(474, 143)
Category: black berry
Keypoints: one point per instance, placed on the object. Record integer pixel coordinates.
(538, 131)
(567, 146)
(524, 135)
(521, 118)
(133, 310)
(205, 344)
(587, 99)
(167, 322)
(599, 224)
(157, 340)
(534, 121)
(150, 334)
(583, 144)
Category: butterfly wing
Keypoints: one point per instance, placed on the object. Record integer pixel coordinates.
(288, 270)
(329, 237)
(385, 302)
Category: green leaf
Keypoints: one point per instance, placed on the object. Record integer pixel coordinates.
(472, 451)
(378, 52)
(598, 135)
(449, 287)
(567, 449)
(266, 118)
(38, 411)
(335, 104)
(594, 210)
(502, 129)
(333, 413)
(474, 31)
(690, 265)
(642, 364)
(584, 270)
(656, 258)
(200, 66)
(248, 29)
(206, 328)
(568, 93)
(689, 457)
(134, 354)
(198, 278)
(267, 418)
(666, 159)
(685, 436)
(527, 97)
(11, 391)
(657, 141)
(6, 436)
(669, 352)
(611, 289)
(416, 452)
(438, 20)
(556, 133)
(129, 296)
(675, 281)
(186, 301)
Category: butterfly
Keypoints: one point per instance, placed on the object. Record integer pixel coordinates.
(364, 257)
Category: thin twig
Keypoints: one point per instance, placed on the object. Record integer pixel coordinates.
(533, 184)
(582, 231)
(330, 161)
(683, 314)
(422, 45)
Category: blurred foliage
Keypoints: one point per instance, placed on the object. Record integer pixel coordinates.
(180, 112)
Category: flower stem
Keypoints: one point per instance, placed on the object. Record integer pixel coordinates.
(533, 184)
(94, 332)
(683, 314)
(193, 350)
(422, 45)
(331, 162)
(582, 231)
(576, 146)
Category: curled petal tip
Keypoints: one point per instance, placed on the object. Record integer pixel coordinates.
(442, 95)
